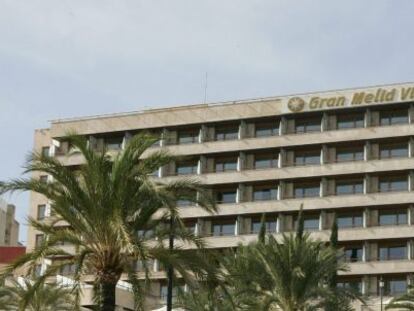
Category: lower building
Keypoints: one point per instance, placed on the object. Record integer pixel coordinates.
(9, 227)
(347, 154)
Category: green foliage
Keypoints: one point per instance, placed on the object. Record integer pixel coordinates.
(25, 296)
(113, 209)
(403, 302)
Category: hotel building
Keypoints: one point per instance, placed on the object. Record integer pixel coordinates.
(9, 227)
(348, 153)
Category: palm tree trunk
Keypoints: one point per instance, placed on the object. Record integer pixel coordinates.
(107, 290)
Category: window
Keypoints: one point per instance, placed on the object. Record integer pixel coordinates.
(350, 121)
(354, 154)
(39, 239)
(353, 254)
(265, 161)
(308, 157)
(191, 227)
(396, 252)
(264, 194)
(114, 143)
(43, 179)
(349, 187)
(183, 203)
(267, 129)
(45, 151)
(41, 212)
(256, 225)
(186, 168)
(392, 217)
(68, 269)
(306, 191)
(145, 233)
(227, 133)
(355, 285)
(226, 165)
(188, 137)
(349, 220)
(389, 184)
(310, 222)
(393, 117)
(393, 151)
(226, 196)
(395, 286)
(307, 126)
(223, 228)
(37, 270)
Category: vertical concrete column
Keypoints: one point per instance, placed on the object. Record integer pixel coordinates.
(54, 146)
(367, 184)
(411, 146)
(242, 129)
(322, 218)
(365, 251)
(240, 193)
(202, 163)
(283, 126)
(202, 136)
(280, 190)
(366, 218)
(367, 118)
(410, 249)
(411, 114)
(410, 180)
(281, 158)
(279, 223)
(126, 139)
(156, 265)
(323, 189)
(365, 285)
(324, 122)
(324, 154)
(239, 226)
(92, 142)
(410, 214)
(241, 161)
(367, 151)
(164, 137)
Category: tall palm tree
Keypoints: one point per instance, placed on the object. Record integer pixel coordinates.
(25, 296)
(116, 214)
(403, 302)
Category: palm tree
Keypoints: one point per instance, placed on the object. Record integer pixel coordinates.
(403, 302)
(116, 214)
(25, 296)
(288, 274)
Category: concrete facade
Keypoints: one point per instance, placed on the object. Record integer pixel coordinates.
(346, 153)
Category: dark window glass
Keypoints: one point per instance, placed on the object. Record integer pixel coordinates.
(227, 197)
(398, 252)
(395, 286)
(393, 184)
(392, 218)
(267, 129)
(188, 137)
(394, 117)
(45, 151)
(113, 143)
(350, 154)
(307, 126)
(39, 239)
(349, 187)
(353, 254)
(223, 229)
(264, 194)
(41, 212)
(257, 224)
(265, 161)
(393, 151)
(226, 165)
(350, 121)
(183, 203)
(308, 158)
(307, 191)
(43, 179)
(310, 223)
(349, 221)
(352, 285)
(227, 133)
(68, 269)
(187, 168)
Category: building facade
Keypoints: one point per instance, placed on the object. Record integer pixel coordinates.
(9, 227)
(347, 154)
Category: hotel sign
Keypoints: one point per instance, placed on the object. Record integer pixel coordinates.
(376, 96)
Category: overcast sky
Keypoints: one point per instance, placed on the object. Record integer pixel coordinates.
(85, 57)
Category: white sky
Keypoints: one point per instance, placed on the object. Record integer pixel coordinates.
(81, 57)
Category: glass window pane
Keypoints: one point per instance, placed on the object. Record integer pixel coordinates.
(264, 130)
(188, 137)
(226, 197)
(311, 224)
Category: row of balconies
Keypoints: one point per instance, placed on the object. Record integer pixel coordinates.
(263, 128)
